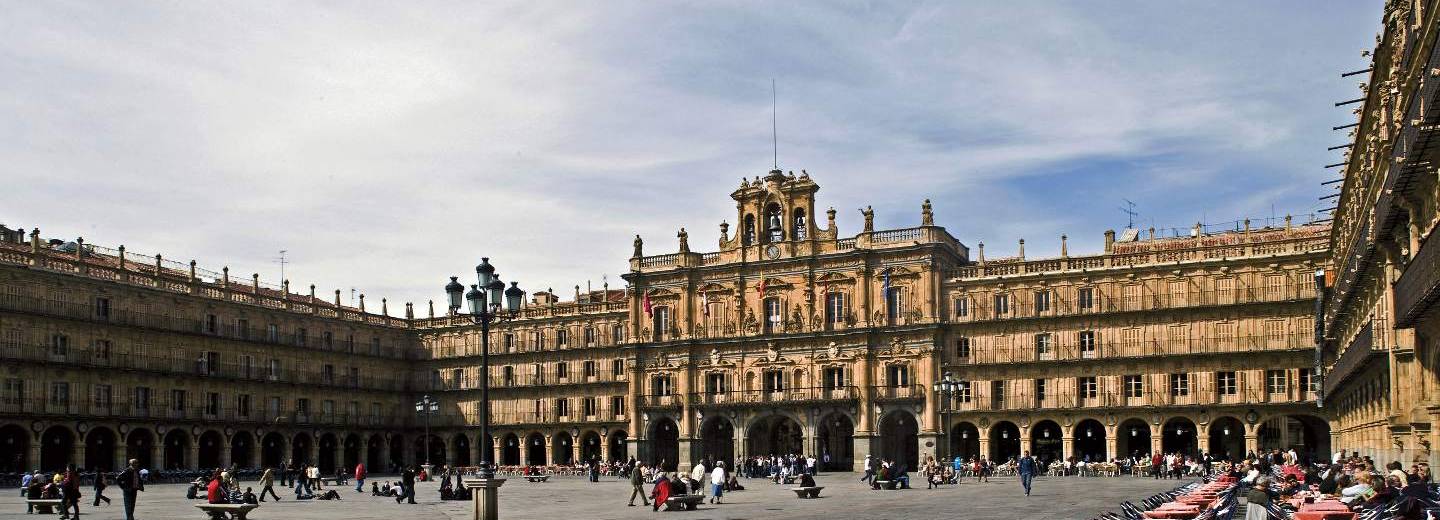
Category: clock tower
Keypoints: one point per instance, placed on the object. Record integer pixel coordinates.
(775, 217)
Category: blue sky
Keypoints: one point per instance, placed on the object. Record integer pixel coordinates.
(387, 145)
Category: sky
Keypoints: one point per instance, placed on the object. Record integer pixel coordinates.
(388, 145)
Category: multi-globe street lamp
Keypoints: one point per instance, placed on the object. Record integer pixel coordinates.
(946, 389)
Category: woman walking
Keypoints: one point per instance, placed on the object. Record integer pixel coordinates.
(267, 484)
(100, 488)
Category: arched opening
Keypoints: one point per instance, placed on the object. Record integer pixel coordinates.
(57, 443)
(717, 439)
(326, 458)
(836, 439)
(562, 446)
(535, 449)
(1308, 435)
(1090, 441)
(1004, 442)
(242, 449)
(589, 446)
(1178, 436)
(775, 435)
(140, 445)
(1046, 442)
(965, 441)
(433, 454)
(176, 444)
(619, 450)
(462, 449)
(664, 443)
(747, 236)
(397, 451)
(210, 445)
(1132, 438)
(100, 449)
(374, 453)
(799, 226)
(272, 450)
(774, 226)
(14, 449)
(352, 453)
(510, 450)
(1227, 438)
(899, 438)
(300, 449)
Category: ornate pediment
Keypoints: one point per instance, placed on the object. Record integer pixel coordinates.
(899, 271)
(661, 292)
(775, 283)
(898, 349)
(833, 353)
(834, 277)
(713, 288)
(772, 356)
(715, 360)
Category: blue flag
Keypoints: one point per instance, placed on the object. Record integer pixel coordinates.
(885, 289)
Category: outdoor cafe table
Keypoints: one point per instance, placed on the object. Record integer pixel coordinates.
(1324, 510)
(1174, 510)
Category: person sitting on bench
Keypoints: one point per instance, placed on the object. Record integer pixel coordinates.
(249, 497)
(215, 492)
(807, 481)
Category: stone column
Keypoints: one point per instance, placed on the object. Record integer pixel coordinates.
(862, 448)
(1067, 448)
(1024, 442)
(225, 453)
(192, 455)
(863, 384)
(604, 449)
(1156, 436)
(1252, 443)
(984, 446)
(77, 452)
(549, 449)
(1111, 444)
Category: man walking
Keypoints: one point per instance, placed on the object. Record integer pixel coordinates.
(267, 484)
(360, 477)
(1027, 471)
(869, 470)
(637, 484)
(407, 485)
(130, 484)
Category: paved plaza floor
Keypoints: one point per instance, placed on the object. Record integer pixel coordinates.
(575, 498)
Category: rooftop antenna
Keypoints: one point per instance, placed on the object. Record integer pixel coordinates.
(774, 126)
(282, 263)
(352, 296)
(1129, 210)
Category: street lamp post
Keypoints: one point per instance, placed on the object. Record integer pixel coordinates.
(488, 302)
(945, 389)
(427, 406)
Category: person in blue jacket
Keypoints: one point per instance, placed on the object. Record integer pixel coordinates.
(1027, 471)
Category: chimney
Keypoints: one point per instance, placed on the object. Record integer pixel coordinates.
(1109, 240)
(337, 298)
(1022, 250)
(384, 309)
(362, 302)
(1064, 250)
(982, 252)
(432, 308)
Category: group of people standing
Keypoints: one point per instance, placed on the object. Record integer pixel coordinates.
(65, 486)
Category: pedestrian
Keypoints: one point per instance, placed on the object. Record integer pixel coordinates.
(360, 477)
(130, 485)
(407, 485)
(717, 483)
(25, 483)
(1027, 471)
(637, 485)
(100, 488)
(267, 484)
(869, 470)
(70, 492)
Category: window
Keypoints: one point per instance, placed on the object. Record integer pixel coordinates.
(301, 336)
(302, 406)
(714, 383)
(243, 326)
(589, 368)
(327, 408)
(997, 394)
(177, 400)
(14, 391)
(242, 405)
(1274, 286)
(507, 375)
(509, 342)
(1179, 385)
(1134, 386)
(617, 368)
(834, 378)
(327, 338)
(375, 410)
(1307, 380)
(59, 345)
(562, 370)
(962, 347)
(208, 363)
(212, 324)
(774, 315)
(589, 337)
(102, 349)
(660, 385)
(962, 307)
(212, 403)
(1276, 381)
(457, 378)
(1086, 387)
(1225, 383)
(562, 338)
(272, 332)
(1274, 330)
(562, 407)
(352, 409)
(1002, 304)
(617, 334)
(1039, 390)
(962, 391)
(102, 308)
(661, 322)
(328, 374)
(1086, 298)
(1087, 343)
(60, 396)
(898, 375)
(247, 363)
(1042, 301)
(375, 345)
(591, 407)
(274, 369)
(1043, 344)
(774, 381)
(103, 396)
(354, 376)
(142, 398)
(274, 408)
(537, 374)
(894, 303)
(617, 405)
(834, 308)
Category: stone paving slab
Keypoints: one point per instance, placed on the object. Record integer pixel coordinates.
(566, 498)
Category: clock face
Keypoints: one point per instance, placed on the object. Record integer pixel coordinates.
(772, 252)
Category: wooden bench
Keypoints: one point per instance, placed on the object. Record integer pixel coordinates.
(807, 492)
(44, 506)
(683, 502)
(334, 481)
(537, 478)
(234, 511)
(885, 484)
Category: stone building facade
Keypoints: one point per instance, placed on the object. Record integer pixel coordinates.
(1380, 317)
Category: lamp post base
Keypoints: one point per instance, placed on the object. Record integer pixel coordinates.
(485, 492)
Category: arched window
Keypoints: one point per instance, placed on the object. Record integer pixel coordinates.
(589, 336)
(660, 385)
(774, 227)
(747, 237)
(562, 337)
(798, 224)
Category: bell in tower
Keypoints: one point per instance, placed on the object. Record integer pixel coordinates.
(774, 228)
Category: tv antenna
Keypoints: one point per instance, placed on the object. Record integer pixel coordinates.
(282, 263)
(774, 126)
(1129, 209)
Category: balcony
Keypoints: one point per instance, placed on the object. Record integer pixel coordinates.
(990, 355)
(898, 393)
(1419, 287)
(791, 395)
(1022, 306)
(1292, 394)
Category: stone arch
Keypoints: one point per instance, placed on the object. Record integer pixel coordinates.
(429, 450)
(619, 450)
(397, 451)
(1178, 435)
(1132, 438)
(1089, 443)
(835, 438)
(1004, 441)
(211, 443)
(535, 449)
(140, 445)
(177, 442)
(717, 438)
(57, 443)
(375, 448)
(663, 438)
(591, 447)
(1047, 441)
(510, 450)
(14, 449)
(461, 444)
(562, 448)
(272, 450)
(1226, 438)
(300, 446)
(1308, 435)
(352, 447)
(100, 449)
(242, 449)
(325, 458)
(899, 438)
(774, 434)
(965, 441)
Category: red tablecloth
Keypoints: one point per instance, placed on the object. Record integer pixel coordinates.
(1172, 513)
(1325, 505)
(1324, 515)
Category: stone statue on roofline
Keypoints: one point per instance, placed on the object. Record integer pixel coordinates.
(639, 246)
(869, 219)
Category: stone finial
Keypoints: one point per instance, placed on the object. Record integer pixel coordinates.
(337, 297)
(830, 218)
(1064, 246)
(312, 291)
(577, 293)
(1152, 232)
(1109, 240)
(285, 287)
(192, 270)
(255, 281)
(927, 216)
(79, 248)
(225, 276)
(1022, 249)
(432, 308)
(1247, 225)
(1198, 230)
(684, 240)
(981, 254)
(362, 302)
(724, 231)
(409, 311)
(158, 260)
(121, 251)
(384, 309)
(1288, 222)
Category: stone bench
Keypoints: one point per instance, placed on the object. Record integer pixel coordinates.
(683, 502)
(885, 484)
(807, 492)
(44, 506)
(537, 478)
(335, 481)
(233, 511)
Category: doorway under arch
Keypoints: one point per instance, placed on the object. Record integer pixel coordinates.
(176, 444)
(272, 450)
(535, 449)
(1046, 442)
(1090, 441)
(1227, 438)
(1178, 435)
(211, 443)
(351, 456)
(664, 437)
(717, 439)
(1308, 435)
(461, 444)
(1132, 438)
(140, 445)
(965, 441)
(57, 443)
(300, 447)
(900, 438)
(14, 449)
(619, 449)
(1004, 442)
(242, 449)
(774, 435)
(836, 439)
(374, 461)
(326, 458)
(100, 449)
(510, 450)
(590, 447)
(562, 447)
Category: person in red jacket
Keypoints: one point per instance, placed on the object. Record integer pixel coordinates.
(70, 492)
(360, 477)
(215, 493)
